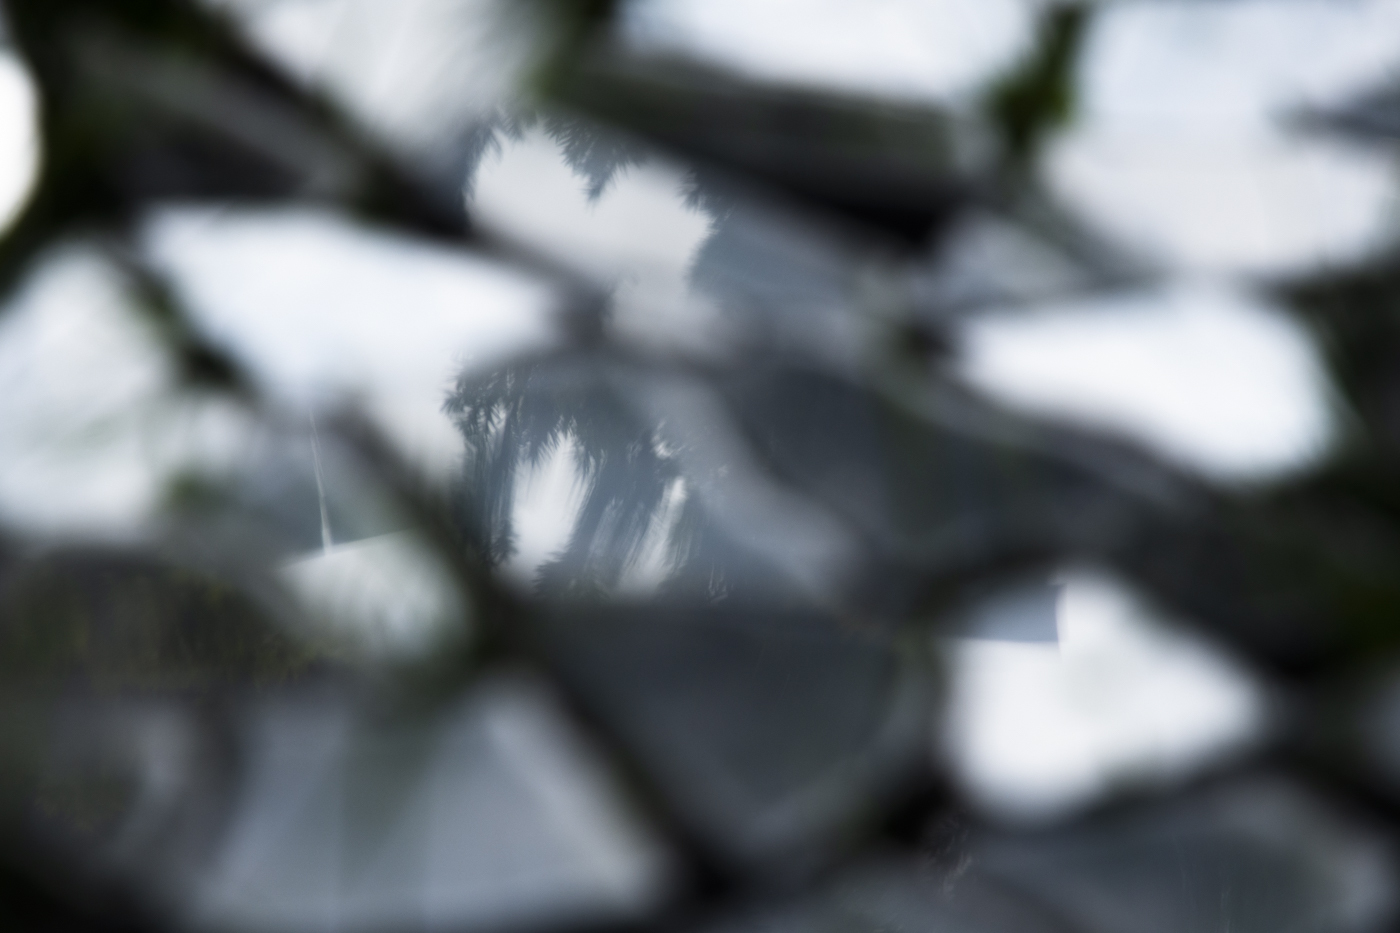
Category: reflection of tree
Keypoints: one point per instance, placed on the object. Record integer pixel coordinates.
(515, 419)
(633, 494)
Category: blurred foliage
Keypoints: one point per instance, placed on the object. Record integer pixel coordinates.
(117, 624)
(821, 508)
(1039, 96)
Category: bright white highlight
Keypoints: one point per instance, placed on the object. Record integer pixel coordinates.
(19, 137)
(1205, 373)
(78, 376)
(1232, 64)
(418, 72)
(638, 236)
(324, 310)
(903, 48)
(1034, 731)
(639, 222)
(78, 381)
(1181, 151)
(547, 502)
(93, 424)
(1230, 201)
(390, 593)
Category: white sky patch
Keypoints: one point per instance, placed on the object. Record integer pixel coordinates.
(390, 594)
(1227, 200)
(19, 136)
(638, 236)
(1231, 64)
(547, 502)
(640, 222)
(1034, 731)
(78, 374)
(1180, 147)
(92, 424)
(418, 72)
(322, 309)
(1205, 373)
(902, 48)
